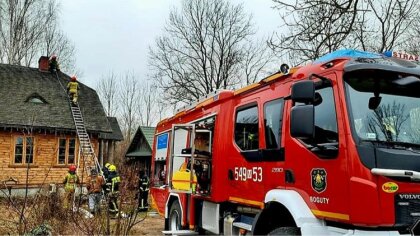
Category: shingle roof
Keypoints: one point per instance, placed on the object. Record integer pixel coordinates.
(148, 132)
(116, 131)
(19, 83)
(135, 149)
(139, 154)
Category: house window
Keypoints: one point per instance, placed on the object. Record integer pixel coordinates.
(36, 98)
(24, 150)
(66, 151)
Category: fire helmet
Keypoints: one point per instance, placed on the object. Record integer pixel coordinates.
(112, 168)
(73, 78)
(72, 168)
(107, 165)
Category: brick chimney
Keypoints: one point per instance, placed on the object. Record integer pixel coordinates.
(43, 64)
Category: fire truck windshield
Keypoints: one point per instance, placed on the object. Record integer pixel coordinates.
(384, 106)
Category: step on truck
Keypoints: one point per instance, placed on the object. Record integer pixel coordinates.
(330, 148)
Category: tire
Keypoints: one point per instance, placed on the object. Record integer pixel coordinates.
(175, 216)
(285, 231)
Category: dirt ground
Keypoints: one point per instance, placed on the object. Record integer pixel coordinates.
(152, 225)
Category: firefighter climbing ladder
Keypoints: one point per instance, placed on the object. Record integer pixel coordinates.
(85, 146)
(84, 140)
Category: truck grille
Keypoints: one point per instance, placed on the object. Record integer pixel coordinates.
(407, 208)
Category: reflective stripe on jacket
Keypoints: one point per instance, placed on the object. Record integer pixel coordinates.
(70, 182)
(144, 183)
(115, 184)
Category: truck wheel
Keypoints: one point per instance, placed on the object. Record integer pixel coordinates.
(285, 231)
(175, 216)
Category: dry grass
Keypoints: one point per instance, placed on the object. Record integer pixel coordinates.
(64, 223)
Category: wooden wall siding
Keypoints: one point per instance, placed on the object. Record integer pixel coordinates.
(44, 168)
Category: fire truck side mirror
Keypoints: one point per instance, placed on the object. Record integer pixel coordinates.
(302, 121)
(303, 91)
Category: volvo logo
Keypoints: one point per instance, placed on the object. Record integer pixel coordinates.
(409, 196)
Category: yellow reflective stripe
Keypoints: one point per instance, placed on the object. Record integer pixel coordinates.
(330, 214)
(246, 201)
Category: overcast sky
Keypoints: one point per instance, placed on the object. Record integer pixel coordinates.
(114, 35)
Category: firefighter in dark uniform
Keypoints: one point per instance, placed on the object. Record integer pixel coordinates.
(53, 64)
(143, 191)
(112, 189)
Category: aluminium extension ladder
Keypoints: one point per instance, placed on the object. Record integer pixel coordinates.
(84, 140)
(85, 145)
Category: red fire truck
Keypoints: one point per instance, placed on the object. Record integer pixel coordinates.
(328, 148)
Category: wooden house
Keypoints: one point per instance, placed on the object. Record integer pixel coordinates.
(38, 139)
(139, 153)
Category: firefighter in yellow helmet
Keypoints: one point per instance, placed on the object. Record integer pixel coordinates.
(73, 89)
(70, 181)
(112, 188)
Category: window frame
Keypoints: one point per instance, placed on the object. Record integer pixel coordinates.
(282, 101)
(242, 108)
(66, 151)
(308, 143)
(24, 148)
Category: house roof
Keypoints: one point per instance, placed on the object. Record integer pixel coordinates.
(148, 133)
(49, 108)
(135, 149)
(116, 131)
(139, 154)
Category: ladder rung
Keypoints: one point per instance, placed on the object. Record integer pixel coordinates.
(85, 144)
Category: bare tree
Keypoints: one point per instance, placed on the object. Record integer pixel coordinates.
(256, 61)
(129, 104)
(393, 19)
(28, 29)
(107, 89)
(412, 42)
(55, 42)
(314, 28)
(201, 50)
(149, 104)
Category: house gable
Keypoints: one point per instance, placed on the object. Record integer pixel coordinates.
(141, 145)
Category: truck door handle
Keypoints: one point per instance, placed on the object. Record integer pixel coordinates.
(290, 177)
(230, 174)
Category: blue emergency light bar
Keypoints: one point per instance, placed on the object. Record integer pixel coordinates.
(349, 53)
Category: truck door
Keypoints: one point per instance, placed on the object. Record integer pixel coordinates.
(181, 177)
(317, 167)
(257, 161)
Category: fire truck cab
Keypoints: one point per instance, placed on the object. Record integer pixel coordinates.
(328, 148)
